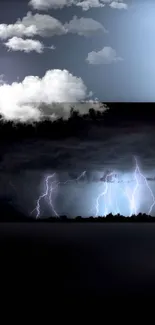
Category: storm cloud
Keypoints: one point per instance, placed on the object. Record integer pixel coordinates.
(102, 148)
(25, 165)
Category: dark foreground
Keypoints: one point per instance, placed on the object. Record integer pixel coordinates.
(103, 259)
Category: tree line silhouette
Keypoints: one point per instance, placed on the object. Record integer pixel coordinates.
(118, 115)
(11, 213)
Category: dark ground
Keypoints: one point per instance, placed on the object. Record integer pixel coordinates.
(103, 259)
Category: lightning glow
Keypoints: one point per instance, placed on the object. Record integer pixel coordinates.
(49, 190)
(102, 194)
(147, 185)
(110, 194)
(45, 194)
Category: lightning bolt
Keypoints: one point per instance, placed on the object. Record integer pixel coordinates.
(74, 179)
(102, 194)
(45, 194)
(108, 195)
(132, 199)
(117, 209)
(133, 202)
(50, 200)
(49, 190)
(147, 185)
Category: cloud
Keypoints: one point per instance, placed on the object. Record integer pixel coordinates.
(50, 4)
(106, 56)
(84, 26)
(88, 4)
(118, 5)
(47, 26)
(17, 29)
(48, 97)
(32, 25)
(25, 45)
(100, 148)
(85, 4)
(2, 79)
(111, 151)
(59, 4)
(52, 47)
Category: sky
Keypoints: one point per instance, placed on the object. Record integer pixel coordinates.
(58, 54)
(73, 51)
(85, 170)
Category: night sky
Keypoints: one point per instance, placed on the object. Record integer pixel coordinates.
(83, 166)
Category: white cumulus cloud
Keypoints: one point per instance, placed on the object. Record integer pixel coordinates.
(105, 56)
(50, 4)
(47, 26)
(84, 4)
(50, 96)
(17, 29)
(32, 25)
(118, 5)
(25, 45)
(84, 26)
(88, 4)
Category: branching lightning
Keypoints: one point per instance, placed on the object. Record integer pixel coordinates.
(102, 194)
(115, 196)
(47, 193)
(49, 190)
(132, 200)
(147, 185)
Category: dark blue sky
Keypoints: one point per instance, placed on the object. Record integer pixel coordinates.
(131, 34)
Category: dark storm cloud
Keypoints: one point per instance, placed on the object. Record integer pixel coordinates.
(103, 148)
(25, 165)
